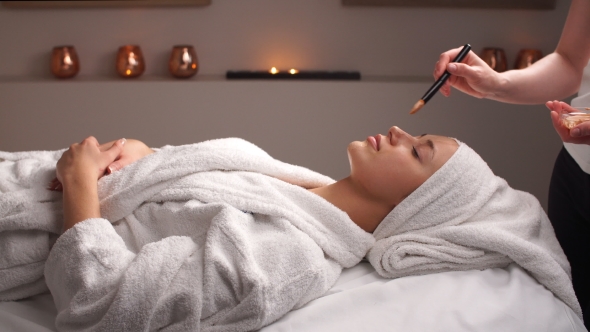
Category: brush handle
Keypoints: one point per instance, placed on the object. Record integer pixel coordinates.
(445, 76)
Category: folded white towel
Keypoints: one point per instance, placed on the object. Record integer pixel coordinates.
(465, 217)
(30, 221)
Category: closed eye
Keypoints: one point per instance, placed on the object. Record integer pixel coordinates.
(415, 153)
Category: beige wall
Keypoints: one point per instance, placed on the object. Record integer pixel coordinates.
(258, 34)
(306, 123)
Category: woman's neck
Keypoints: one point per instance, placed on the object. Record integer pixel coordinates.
(362, 209)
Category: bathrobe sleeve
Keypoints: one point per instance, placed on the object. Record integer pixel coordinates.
(98, 284)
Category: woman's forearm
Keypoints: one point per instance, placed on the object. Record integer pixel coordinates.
(78, 171)
(80, 200)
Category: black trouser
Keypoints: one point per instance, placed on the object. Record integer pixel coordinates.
(569, 212)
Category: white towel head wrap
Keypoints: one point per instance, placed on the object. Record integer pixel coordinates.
(464, 217)
(452, 189)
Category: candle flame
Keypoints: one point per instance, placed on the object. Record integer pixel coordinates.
(194, 66)
(131, 58)
(128, 72)
(273, 70)
(67, 60)
(186, 57)
(293, 71)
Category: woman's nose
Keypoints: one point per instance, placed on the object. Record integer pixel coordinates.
(397, 135)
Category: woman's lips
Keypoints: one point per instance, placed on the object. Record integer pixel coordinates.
(374, 141)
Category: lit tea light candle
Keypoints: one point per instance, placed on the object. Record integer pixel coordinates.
(130, 62)
(293, 74)
(183, 61)
(64, 62)
(68, 60)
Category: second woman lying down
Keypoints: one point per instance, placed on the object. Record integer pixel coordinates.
(220, 236)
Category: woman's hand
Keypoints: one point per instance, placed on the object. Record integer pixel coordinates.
(78, 171)
(579, 134)
(472, 76)
(132, 152)
(87, 160)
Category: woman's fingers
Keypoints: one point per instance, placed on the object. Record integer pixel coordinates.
(86, 159)
(106, 158)
(134, 150)
(54, 185)
(90, 140)
(114, 152)
(117, 165)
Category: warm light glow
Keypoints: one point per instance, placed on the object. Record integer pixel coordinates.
(186, 57)
(273, 70)
(128, 72)
(131, 59)
(194, 65)
(293, 71)
(68, 60)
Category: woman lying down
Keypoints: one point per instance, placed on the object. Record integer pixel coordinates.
(220, 236)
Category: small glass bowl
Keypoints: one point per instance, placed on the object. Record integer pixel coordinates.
(573, 119)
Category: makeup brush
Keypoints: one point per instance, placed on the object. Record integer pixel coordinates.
(441, 80)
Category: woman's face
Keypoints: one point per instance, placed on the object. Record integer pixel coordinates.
(389, 168)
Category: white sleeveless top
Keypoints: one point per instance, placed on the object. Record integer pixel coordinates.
(581, 152)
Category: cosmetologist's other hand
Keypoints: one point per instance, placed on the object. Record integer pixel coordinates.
(579, 134)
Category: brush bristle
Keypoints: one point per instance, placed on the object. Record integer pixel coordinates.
(417, 106)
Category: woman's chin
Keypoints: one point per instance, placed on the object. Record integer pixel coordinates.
(352, 146)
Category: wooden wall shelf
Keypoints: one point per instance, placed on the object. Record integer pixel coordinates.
(479, 4)
(103, 3)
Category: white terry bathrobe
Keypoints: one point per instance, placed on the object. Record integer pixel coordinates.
(214, 236)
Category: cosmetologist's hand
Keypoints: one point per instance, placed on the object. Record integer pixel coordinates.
(472, 75)
(579, 134)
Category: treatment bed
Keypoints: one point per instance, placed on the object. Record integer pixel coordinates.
(506, 299)
(499, 299)
(489, 300)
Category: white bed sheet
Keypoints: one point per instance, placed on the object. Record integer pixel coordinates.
(490, 300)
